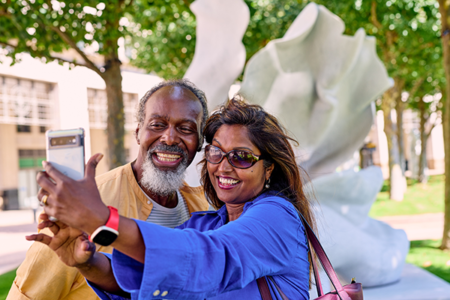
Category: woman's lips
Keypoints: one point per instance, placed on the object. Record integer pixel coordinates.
(227, 183)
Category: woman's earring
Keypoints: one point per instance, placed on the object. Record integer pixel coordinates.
(267, 183)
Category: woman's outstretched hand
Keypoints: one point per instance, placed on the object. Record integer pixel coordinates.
(71, 245)
(76, 203)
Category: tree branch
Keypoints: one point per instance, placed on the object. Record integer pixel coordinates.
(50, 57)
(416, 87)
(373, 16)
(88, 63)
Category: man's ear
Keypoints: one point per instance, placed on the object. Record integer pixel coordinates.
(136, 134)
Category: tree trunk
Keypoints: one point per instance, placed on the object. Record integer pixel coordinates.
(396, 178)
(423, 178)
(399, 108)
(444, 8)
(116, 119)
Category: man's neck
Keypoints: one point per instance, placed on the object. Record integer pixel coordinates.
(169, 201)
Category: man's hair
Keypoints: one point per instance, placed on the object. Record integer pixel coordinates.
(183, 83)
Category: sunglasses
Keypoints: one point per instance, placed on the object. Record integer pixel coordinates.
(241, 159)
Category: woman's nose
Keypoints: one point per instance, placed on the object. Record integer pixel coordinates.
(225, 165)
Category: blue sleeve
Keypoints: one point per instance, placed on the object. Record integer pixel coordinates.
(189, 264)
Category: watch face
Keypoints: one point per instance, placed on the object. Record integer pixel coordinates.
(105, 237)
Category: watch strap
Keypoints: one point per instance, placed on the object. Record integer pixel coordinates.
(113, 220)
(111, 225)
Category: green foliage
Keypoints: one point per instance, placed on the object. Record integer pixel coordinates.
(427, 255)
(6, 281)
(418, 199)
(44, 28)
(163, 39)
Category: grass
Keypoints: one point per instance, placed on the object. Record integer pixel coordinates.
(6, 281)
(419, 199)
(427, 255)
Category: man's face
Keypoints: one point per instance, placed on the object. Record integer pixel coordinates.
(169, 134)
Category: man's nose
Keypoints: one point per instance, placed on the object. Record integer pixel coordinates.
(170, 136)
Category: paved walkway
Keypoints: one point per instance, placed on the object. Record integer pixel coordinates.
(15, 224)
(418, 227)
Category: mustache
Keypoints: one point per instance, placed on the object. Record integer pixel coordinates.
(168, 148)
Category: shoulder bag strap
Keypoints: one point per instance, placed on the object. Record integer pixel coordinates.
(324, 261)
(264, 288)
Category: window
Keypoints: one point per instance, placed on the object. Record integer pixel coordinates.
(23, 128)
(31, 158)
(98, 109)
(25, 102)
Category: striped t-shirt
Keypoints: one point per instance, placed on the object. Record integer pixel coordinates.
(169, 217)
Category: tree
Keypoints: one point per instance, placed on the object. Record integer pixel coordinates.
(444, 9)
(45, 29)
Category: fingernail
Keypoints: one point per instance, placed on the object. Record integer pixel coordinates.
(99, 158)
(44, 163)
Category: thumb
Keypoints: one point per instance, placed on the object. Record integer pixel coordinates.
(92, 165)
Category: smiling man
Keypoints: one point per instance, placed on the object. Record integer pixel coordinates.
(171, 117)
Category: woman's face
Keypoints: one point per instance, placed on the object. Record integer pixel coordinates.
(233, 185)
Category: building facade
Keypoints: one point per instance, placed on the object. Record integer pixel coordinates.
(36, 97)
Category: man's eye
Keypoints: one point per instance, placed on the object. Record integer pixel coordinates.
(186, 129)
(156, 125)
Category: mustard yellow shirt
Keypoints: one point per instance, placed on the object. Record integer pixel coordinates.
(42, 276)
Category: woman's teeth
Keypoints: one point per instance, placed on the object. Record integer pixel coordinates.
(227, 181)
(167, 157)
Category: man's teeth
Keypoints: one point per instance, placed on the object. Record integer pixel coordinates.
(167, 157)
(228, 181)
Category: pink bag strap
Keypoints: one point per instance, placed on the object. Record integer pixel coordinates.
(324, 261)
(313, 242)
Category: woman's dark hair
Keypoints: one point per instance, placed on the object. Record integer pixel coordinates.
(270, 137)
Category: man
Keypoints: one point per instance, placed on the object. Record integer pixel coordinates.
(171, 117)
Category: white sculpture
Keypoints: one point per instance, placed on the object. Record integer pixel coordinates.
(321, 84)
(219, 53)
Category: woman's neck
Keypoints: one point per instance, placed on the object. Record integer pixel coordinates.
(234, 210)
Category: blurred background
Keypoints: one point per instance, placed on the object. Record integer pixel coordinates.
(66, 63)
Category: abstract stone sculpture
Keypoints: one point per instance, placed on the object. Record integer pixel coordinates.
(321, 84)
(219, 53)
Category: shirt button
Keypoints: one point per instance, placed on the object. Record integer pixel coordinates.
(156, 293)
(148, 202)
(164, 293)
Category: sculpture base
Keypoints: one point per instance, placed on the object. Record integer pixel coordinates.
(415, 284)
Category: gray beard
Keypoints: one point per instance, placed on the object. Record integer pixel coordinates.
(162, 183)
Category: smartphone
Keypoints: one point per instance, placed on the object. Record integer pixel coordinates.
(65, 150)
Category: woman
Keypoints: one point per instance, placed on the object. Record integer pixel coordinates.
(250, 176)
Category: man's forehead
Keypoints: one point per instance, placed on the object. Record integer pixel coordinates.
(174, 102)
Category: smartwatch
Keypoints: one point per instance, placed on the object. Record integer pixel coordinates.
(105, 235)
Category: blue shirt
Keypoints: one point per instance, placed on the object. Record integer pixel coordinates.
(208, 258)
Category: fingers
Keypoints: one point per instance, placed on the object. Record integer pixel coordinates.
(47, 186)
(54, 228)
(53, 173)
(92, 165)
(40, 237)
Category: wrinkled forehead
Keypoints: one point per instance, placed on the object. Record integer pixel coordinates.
(174, 102)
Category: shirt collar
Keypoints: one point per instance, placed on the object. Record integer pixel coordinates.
(223, 213)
